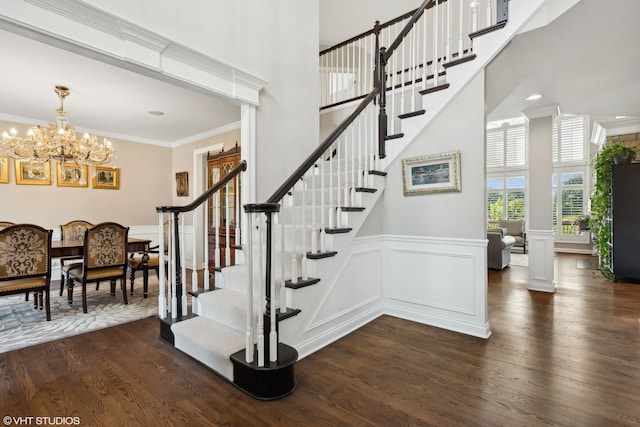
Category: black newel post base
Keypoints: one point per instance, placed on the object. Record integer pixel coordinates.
(272, 381)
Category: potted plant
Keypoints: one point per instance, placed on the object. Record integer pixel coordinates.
(600, 222)
(584, 222)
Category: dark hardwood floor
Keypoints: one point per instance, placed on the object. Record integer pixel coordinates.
(566, 359)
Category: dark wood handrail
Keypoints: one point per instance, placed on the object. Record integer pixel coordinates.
(242, 166)
(317, 153)
(418, 12)
(380, 26)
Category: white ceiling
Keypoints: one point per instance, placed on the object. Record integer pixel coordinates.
(597, 78)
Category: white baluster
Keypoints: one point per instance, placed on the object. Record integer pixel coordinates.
(194, 267)
(294, 240)
(261, 296)
(448, 32)
(304, 227)
(489, 13)
(402, 78)
(205, 249)
(273, 335)
(217, 228)
(283, 280)
(183, 264)
(436, 10)
(322, 204)
(474, 18)
(461, 23)
(393, 75)
(248, 248)
(162, 300)
(174, 297)
(424, 50)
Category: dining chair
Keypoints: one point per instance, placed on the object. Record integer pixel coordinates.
(25, 263)
(5, 224)
(73, 230)
(136, 263)
(104, 258)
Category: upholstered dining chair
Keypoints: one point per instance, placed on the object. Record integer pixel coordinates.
(73, 230)
(25, 263)
(105, 258)
(5, 224)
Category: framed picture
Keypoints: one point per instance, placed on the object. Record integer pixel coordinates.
(4, 170)
(438, 173)
(71, 175)
(108, 178)
(33, 173)
(182, 184)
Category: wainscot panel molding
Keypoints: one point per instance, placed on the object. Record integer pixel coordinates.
(437, 281)
(541, 253)
(334, 308)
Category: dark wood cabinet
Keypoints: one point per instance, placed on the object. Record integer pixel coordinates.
(222, 207)
(625, 211)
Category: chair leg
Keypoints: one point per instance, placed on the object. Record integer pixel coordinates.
(123, 285)
(132, 278)
(84, 296)
(47, 302)
(113, 288)
(70, 290)
(61, 282)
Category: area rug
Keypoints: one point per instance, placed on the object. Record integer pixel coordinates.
(21, 325)
(521, 260)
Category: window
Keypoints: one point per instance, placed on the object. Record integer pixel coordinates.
(569, 176)
(506, 170)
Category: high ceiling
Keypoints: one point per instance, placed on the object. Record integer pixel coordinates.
(585, 62)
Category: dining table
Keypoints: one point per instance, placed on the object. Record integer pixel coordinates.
(71, 248)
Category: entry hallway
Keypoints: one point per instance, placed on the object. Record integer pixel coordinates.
(566, 359)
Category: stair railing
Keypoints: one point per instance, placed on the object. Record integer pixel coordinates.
(172, 298)
(442, 33)
(309, 208)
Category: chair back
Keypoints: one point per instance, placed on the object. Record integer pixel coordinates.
(25, 252)
(515, 227)
(5, 224)
(74, 230)
(105, 245)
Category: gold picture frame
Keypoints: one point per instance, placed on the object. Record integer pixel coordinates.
(71, 175)
(437, 173)
(182, 184)
(4, 170)
(32, 173)
(107, 178)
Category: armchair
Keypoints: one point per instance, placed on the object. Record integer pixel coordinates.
(105, 258)
(25, 263)
(498, 248)
(515, 228)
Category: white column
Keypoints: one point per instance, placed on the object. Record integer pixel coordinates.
(539, 226)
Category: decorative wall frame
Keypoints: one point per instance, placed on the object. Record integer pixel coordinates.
(32, 173)
(71, 175)
(437, 173)
(4, 170)
(182, 184)
(107, 178)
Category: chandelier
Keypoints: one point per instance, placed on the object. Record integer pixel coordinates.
(57, 142)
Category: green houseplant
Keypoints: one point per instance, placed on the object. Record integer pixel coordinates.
(600, 222)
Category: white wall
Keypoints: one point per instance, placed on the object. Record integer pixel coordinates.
(453, 215)
(275, 40)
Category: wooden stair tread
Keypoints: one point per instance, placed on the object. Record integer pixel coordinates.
(365, 190)
(351, 208)
(412, 114)
(337, 230)
(487, 30)
(321, 255)
(460, 60)
(396, 136)
(434, 89)
(301, 283)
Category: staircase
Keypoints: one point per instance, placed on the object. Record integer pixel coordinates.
(299, 243)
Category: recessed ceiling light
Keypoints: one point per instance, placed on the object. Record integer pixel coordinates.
(156, 113)
(621, 117)
(534, 97)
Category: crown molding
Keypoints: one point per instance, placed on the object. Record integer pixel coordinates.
(81, 28)
(602, 129)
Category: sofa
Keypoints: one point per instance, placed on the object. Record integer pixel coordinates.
(499, 245)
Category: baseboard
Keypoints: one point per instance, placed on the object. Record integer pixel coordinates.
(476, 330)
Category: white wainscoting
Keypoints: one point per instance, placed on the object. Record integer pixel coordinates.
(349, 298)
(439, 282)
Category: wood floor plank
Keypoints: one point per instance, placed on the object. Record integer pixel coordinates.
(566, 359)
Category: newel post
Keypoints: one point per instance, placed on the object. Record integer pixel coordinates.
(382, 115)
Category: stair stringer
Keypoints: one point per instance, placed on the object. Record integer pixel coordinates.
(486, 47)
(341, 302)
